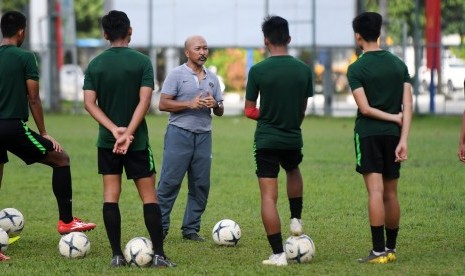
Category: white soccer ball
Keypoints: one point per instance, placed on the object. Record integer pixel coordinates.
(12, 221)
(300, 249)
(3, 240)
(139, 252)
(74, 245)
(226, 232)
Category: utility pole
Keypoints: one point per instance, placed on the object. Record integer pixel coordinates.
(360, 6)
(313, 52)
(417, 49)
(54, 87)
(384, 14)
(152, 50)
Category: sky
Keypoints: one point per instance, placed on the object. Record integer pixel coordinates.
(236, 23)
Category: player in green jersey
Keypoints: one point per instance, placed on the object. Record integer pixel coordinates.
(118, 89)
(19, 92)
(381, 88)
(461, 151)
(284, 85)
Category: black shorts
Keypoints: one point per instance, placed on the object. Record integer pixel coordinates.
(17, 138)
(376, 154)
(137, 164)
(267, 161)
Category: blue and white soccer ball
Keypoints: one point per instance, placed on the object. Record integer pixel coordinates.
(300, 249)
(12, 221)
(139, 252)
(3, 240)
(226, 232)
(74, 245)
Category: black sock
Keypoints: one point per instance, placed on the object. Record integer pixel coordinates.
(391, 237)
(152, 218)
(276, 242)
(377, 237)
(112, 220)
(62, 189)
(295, 204)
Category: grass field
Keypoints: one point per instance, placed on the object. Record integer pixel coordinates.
(431, 240)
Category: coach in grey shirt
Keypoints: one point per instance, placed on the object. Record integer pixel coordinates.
(190, 92)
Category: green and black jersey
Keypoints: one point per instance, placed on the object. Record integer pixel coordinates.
(283, 83)
(382, 76)
(16, 67)
(117, 75)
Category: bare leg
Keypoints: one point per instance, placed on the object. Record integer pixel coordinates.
(294, 183)
(111, 188)
(1, 174)
(146, 188)
(269, 196)
(56, 159)
(375, 188)
(295, 196)
(391, 203)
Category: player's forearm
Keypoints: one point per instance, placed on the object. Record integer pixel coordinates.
(407, 112)
(252, 113)
(462, 132)
(379, 114)
(37, 112)
(406, 123)
(304, 108)
(35, 105)
(96, 113)
(250, 110)
(139, 114)
(368, 111)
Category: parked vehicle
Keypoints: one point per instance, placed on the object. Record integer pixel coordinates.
(453, 76)
(71, 82)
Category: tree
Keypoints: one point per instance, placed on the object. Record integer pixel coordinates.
(400, 11)
(231, 65)
(453, 17)
(88, 14)
(10, 5)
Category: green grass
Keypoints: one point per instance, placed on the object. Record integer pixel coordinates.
(431, 240)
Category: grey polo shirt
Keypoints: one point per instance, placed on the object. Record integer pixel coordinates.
(182, 83)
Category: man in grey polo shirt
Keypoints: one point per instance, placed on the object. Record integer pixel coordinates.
(190, 92)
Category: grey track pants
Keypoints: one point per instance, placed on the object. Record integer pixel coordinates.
(185, 151)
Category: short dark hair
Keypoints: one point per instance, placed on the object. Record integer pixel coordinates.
(276, 30)
(116, 25)
(12, 22)
(368, 25)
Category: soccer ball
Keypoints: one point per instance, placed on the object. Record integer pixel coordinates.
(74, 245)
(12, 221)
(3, 240)
(300, 249)
(226, 232)
(139, 252)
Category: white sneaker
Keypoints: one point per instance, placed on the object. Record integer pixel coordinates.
(296, 227)
(276, 259)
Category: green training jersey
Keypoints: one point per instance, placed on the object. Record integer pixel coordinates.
(117, 75)
(284, 83)
(16, 67)
(382, 76)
